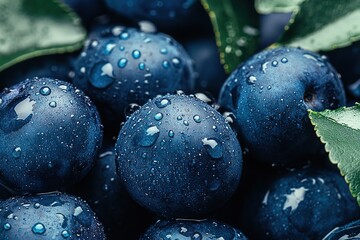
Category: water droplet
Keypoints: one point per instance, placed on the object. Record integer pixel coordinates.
(163, 102)
(147, 137)
(38, 228)
(65, 234)
(158, 116)
(269, 87)
(124, 35)
(77, 211)
(284, 60)
(205, 97)
(215, 128)
(24, 108)
(131, 108)
(7, 226)
(52, 104)
(141, 66)
(1, 101)
(165, 64)
(102, 75)
(197, 118)
(36, 205)
(176, 62)
(163, 51)
(197, 236)
(109, 48)
(143, 155)
(213, 147)
(16, 152)
(186, 123)
(179, 118)
(274, 63)
(251, 80)
(45, 91)
(122, 48)
(214, 185)
(171, 133)
(136, 54)
(122, 62)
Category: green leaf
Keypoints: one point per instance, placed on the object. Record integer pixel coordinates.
(323, 26)
(276, 6)
(31, 28)
(234, 23)
(340, 131)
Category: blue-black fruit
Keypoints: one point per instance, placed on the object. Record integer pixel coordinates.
(178, 157)
(270, 95)
(301, 204)
(107, 197)
(53, 216)
(122, 66)
(347, 232)
(192, 229)
(50, 134)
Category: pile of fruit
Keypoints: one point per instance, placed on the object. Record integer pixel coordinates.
(142, 134)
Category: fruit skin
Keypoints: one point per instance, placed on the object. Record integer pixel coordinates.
(49, 138)
(61, 216)
(270, 95)
(301, 204)
(167, 67)
(194, 229)
(107, 197)
(178, 157)
(348, 231)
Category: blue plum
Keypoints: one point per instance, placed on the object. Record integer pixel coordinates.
(120, 66)
(50, 134)
(48, 216)
(300, 204)
(192, 229)
(270, 94)
(347, 232)
(178, 157)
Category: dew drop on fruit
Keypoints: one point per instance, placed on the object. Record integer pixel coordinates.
(136, 54)
(1, 101)
(24, 108)
(65, 234)
(197, 118)
(131, 108)
(284, 60)
(38, 228)
(176, 62)
(52, 104)
(147, 137)
(179, 118)
(205, 97)
(141, 66)
(163, 51)
(109, 48)
(196, 236)
(251, 80)
(186, 123)
(7, 226)
(16, 152)
(165, 64)
(274, 63)
(122, 48)
(163, 102)
(213, 147)
(171, 133)
(124, 35)
(45, 91)
(122, 62)
(158, 116)
(214, 185)
(37, 205)
(102, 75)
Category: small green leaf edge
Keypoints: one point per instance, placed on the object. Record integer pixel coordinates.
(54, 50)
(331, 157)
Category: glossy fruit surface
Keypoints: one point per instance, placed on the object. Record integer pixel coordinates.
(270, 94)
(191, 229)
(178, 157)
(50, 134)
(48, 216)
